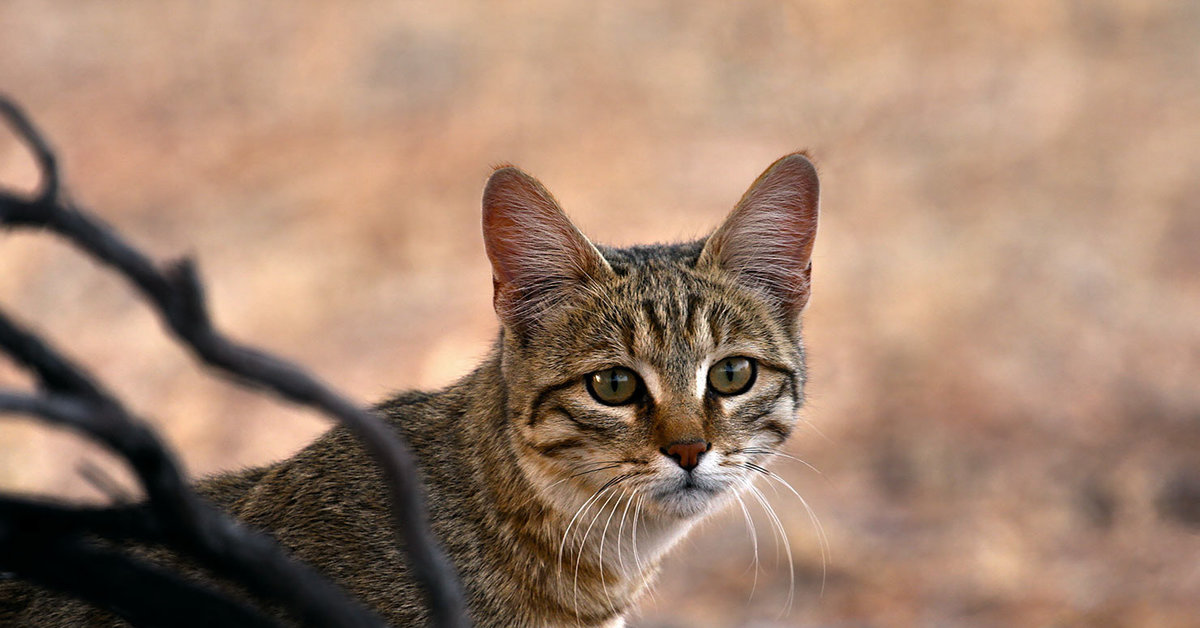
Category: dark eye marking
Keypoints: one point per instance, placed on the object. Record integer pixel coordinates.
(556, 447)
(765, 405)
(585, 426)
(536, 406)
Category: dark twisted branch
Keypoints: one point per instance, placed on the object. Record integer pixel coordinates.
(42, 154)
(178, 298)
(80, 568)
(173, 516)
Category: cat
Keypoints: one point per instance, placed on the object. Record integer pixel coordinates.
(630, 393)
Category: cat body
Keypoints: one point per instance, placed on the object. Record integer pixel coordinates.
(630, 393)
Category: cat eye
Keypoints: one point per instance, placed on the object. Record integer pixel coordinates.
(732, 376)
(614, 386)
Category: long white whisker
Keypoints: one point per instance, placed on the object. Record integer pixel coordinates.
(787, 546)
(812, 516)
(637, 561)
(637, 511)
(563, 545)
(753, 541)
(611, 464)
(767, 452)
(759, 498)
(583, 542)
(603, 537)
(621, 531)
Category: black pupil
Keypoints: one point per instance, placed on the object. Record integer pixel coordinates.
(729, 371)
(614, 380)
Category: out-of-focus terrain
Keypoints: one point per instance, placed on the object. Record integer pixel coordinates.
(1005, 328)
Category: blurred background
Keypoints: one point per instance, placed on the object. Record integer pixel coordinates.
(1005, 327)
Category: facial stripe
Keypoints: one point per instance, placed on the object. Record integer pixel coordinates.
(770, 401)
(795, 389)
(542, 397)
(556, 447)
(777, 428)
(583, 426)
(653, 322)
(628, 336)
(693, 306)
(715, 326)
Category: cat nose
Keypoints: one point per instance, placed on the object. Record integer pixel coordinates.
(687, 454)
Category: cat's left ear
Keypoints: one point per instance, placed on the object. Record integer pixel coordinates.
(538, 256)
(766, 243)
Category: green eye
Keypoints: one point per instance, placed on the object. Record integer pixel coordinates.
(732, 376)
(614, 386)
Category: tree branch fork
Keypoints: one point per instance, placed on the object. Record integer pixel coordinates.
(56, 545)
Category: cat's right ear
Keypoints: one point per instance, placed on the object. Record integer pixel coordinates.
(537, 254)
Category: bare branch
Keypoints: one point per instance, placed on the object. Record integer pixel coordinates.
(174, 515)
(42, 153)
(178, 298)
(54, 372)
(79, 568)
(113, 523)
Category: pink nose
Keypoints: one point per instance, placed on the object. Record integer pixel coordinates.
(687, 454)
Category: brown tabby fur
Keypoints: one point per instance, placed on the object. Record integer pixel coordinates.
(518, 452)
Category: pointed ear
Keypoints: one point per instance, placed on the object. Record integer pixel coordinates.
(766, 243)
(537, 255)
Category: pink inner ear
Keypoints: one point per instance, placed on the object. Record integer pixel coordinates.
(767, 241)
(537, 254)
(518, 216)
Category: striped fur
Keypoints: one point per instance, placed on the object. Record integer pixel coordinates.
(555, 508)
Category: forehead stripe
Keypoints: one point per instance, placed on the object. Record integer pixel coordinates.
(714, 326)
(653, 321)
(693, 304)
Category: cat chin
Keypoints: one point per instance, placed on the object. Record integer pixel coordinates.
(690, 500)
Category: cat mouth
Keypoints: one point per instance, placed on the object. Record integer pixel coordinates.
(695, 490)
(687, 496)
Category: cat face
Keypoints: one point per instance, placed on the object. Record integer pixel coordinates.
(665, 372)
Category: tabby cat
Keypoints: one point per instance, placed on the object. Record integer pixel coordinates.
(630, 393)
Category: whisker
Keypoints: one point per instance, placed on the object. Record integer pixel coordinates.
(760, 469)
(579, 556)
(604, 537)
(621, 531)
(787, 546)
(637, 511)
(609, 464)
(563, 545)
(812, 516)
(753, 542)
(768, 452)
(816, 430)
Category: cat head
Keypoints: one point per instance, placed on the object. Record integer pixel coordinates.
(671, 371)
